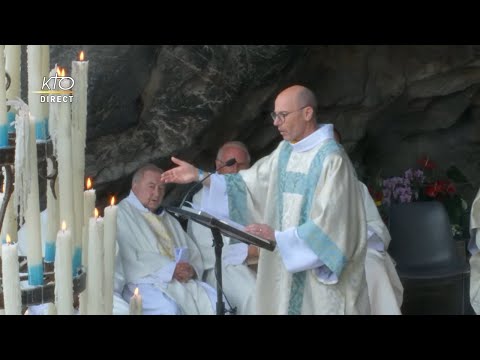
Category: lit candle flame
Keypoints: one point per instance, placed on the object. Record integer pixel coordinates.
(8, 239)
(82, 56)
(135, 293)
(96, 213)
(64, 225)
(112, 201)
(89, 183)
(59, 71)
(3, 188)
(62, 73)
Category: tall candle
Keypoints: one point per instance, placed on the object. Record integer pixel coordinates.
(3, 233)
(53, 113)
(35, 80)
(12, 66)
(63, 272)
(89, 199)
(3, 101)
(45, 69)
(10, 226)
(79, 132)
(109, 241)
(65, 175)
(12, 294)
(32, 214)
(136, 305)
(95, 266)
(52, 216)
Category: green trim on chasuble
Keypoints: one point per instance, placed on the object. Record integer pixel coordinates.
(305, 185)
(237, 200)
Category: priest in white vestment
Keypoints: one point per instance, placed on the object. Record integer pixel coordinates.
(156, 255)
(305, 196)
(238, 279)
(385, 289)
(473, 247)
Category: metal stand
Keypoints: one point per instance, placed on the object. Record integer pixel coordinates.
(218, 244)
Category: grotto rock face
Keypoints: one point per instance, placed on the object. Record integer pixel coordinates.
(392, 104)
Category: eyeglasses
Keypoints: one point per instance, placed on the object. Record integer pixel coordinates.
(283, 114)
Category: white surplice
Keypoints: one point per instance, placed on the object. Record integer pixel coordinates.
(150, 245)
(238, 280)
(385, 289)
(309, 193)
(473, 247)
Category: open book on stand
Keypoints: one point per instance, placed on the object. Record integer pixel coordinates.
(226, 226)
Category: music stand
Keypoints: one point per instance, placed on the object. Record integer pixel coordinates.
(219, 227)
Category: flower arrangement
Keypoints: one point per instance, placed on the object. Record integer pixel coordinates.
(425, 183)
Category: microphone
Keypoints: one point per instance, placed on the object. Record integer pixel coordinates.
(229, 162)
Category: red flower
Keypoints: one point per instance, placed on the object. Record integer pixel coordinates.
(431, 190)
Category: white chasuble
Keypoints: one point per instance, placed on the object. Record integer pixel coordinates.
(147, 244)
(385, 289)
(308, 192)
(474, 247)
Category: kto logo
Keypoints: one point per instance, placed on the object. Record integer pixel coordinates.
(57, 88)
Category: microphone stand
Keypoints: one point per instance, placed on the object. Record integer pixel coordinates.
(217, 242)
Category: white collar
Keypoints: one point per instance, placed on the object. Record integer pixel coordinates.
(324, 132)
(133, 200)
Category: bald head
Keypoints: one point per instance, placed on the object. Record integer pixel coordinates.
(300, 95)
(295, 113)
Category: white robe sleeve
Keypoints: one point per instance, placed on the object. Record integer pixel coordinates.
(298, 256)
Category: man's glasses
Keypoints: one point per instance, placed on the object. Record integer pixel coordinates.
(283, 114)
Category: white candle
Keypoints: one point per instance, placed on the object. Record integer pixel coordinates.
(63, 272)
(32, 215)
(45, 69)
(53, 219)
(95, 267)
(79, 132)
(35, 80)
(10, 220)
(3, 101)
(3, 233)
(53, 113)
(65, 175)
(136, 306)
(109, 238)
(89, 199)
(52, 310)
(12, 66)
(12, 294)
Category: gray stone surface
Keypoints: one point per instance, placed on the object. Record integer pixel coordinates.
(392, 103)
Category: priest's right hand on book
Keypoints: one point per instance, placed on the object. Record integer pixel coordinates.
(261, 230)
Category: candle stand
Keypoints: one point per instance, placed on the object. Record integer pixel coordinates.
(42, 294)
